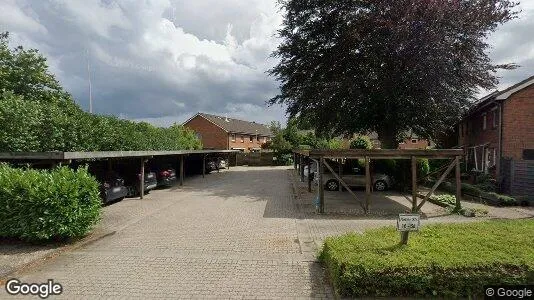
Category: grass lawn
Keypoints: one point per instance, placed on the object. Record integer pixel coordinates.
(441, 260)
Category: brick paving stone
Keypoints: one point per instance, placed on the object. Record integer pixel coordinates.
(230, 235)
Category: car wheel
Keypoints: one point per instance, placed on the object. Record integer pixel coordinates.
(381, 185)
(332, 185)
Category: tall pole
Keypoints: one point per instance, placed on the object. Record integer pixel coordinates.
(90, 87)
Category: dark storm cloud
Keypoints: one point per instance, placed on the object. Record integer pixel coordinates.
(155, 59)
(164, 60)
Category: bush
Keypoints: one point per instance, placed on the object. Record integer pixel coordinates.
(40, 205)
(443, 200)
(504, 200)
(361, 142)
(443, 260)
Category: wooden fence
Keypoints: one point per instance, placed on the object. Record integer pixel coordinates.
(253, 159)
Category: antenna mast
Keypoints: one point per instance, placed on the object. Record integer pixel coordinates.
(90, 88)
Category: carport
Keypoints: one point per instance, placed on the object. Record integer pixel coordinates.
(305, 157)
(51, 159)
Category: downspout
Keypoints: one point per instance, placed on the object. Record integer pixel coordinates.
(499, 171)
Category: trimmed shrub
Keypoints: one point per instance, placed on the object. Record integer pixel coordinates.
(40, 205)
(504, 200)
(442, 260)
(361, 142)
(443, 200)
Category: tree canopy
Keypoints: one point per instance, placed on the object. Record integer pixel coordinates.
(36, 114)
(389, 66)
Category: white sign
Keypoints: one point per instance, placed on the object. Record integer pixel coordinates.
(408, 222)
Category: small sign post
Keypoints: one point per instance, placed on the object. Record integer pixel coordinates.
(407, 223)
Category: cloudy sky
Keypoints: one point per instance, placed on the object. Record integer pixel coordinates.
(164, 60)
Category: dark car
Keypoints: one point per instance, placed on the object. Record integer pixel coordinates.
(112, 186)
(166, 176)
(133, 183)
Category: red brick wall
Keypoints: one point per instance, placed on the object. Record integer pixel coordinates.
(247, 144)
(518, 121)
(473, 133)
(211, 135)
(419, 144)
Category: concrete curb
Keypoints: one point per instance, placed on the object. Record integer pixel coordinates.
(89, 239)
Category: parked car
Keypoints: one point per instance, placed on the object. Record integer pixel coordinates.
(133, 183)
(112, 186)
(166, 176)
(356, 178)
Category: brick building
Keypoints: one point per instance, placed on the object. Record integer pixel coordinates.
(498, 135)
(218, 132)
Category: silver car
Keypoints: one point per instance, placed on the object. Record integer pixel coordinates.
(356, 178)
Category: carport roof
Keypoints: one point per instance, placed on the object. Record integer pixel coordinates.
(57, 156)
(383, 153)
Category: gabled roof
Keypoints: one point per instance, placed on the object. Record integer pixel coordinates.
(235, 126)
(501, 95)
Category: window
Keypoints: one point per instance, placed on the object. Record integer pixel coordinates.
(233, 137)
(257, 138)
(251, 138)
(495, 118)
(484, 122)
(242, 138)
(414, 141)
(528, 154)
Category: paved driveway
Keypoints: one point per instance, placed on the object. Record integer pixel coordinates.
(232, 234)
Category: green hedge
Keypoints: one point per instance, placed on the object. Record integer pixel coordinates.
(40, 205)
(452, 260)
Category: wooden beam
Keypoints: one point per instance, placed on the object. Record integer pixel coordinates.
(414, 184)
(341, 182)
(458, 185)
(367, 184)
(435, 186)
(387, 153)
(321, 185)
(142, 179)
(181, 170)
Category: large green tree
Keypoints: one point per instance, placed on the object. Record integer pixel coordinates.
(37, 114)
(389, 66)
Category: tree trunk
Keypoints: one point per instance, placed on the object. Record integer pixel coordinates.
(388, 138)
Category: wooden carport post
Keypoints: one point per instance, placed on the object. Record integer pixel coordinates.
(228, 165)
(295, 161)
(203, 165)
(414, 184)
(458, 205)
(181, 170)
(367, 185)
(142, 179)
(340, 169)
(309, 175)
(404, 234)
(321, 185)
(301, 168)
